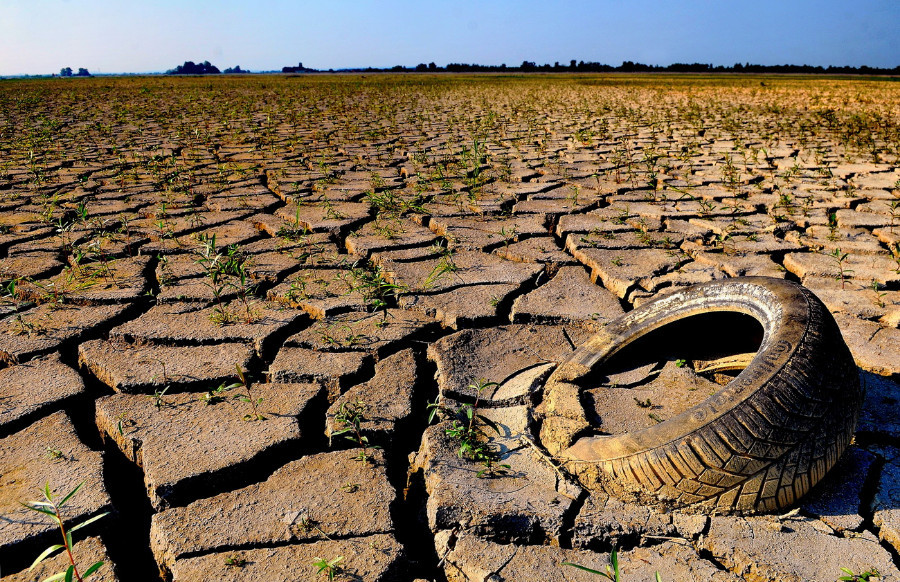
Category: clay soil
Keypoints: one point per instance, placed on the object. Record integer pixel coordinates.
(228, 303)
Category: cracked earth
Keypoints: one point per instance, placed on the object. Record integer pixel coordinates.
(229, 306)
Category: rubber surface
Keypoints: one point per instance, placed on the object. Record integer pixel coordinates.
(758, 444)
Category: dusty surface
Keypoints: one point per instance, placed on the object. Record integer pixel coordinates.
(356, 503)
(395, 245)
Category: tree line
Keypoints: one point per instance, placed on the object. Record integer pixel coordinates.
(205, 68)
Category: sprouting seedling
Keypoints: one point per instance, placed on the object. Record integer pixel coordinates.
(157, 397)
(446, 264)
(53, 508)
(611, 573)
(293, 230)
(328, 568)
(861, 577)
(9, 292)
(375, 288)
(843, 272)
(54, 454)
(123, 422)
(81, 210)
(331, 213)
(879, 294)
(215, 395)
(158, 394)
(351, 416)
(308, 525)
(248, 397)
(235, 561)
(468, 435)
(509, 235)
(895, 212)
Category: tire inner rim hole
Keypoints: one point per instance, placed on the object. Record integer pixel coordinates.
(669, 370)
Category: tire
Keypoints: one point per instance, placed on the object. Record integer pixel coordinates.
(756, 445)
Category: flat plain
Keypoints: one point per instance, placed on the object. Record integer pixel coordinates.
(230, 304)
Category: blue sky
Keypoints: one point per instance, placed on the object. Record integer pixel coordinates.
(107, 36)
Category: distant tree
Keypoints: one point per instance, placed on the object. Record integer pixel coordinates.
(65, 72)
(432, 66)
(82, 72)
(421, 67)
(191, 68)
(236, 70)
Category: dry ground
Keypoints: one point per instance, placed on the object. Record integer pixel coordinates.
(207, 281)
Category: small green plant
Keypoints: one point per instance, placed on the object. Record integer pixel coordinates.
(862, 577)
(331, 213)
(54, 454)
(123, 422)
(376, 290)
(226, 269)
(328, 568)
(216, 395)
(643, 403)
(294, 230)
(895, 213)
(53, 508)
(247, 395)
(509, 235)
(235, 561)
(308, 525)
(81, 210)
(157, 397)
(612, 571)
(468, 435)
(843, 272)
(351, 416)
(879, 294)
(445, 264)
(342, 335)
(27, 327)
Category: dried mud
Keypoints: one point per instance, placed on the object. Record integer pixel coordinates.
(208, 285)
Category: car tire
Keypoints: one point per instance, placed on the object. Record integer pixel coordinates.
(756, 445)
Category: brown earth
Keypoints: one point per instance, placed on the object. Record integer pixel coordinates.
(204, 279)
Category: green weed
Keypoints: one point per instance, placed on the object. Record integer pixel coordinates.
(53, 508)
(465, 430)
(328, 568)
(350, 417)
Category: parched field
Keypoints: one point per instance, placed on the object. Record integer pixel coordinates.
(231, 307)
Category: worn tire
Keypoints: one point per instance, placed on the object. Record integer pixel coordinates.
(757, 445)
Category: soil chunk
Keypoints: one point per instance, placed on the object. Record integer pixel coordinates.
(186, 443)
